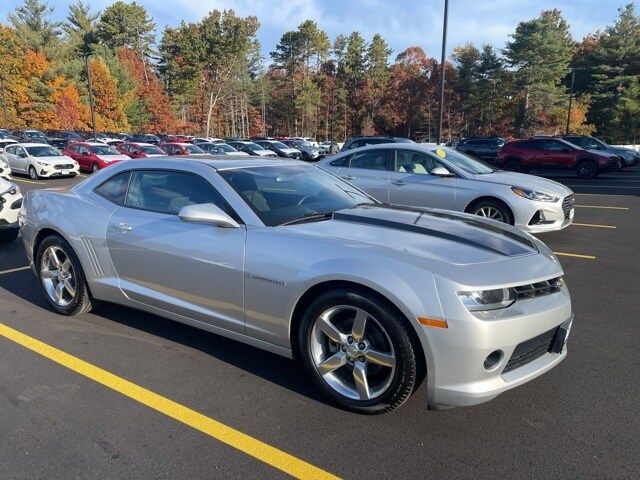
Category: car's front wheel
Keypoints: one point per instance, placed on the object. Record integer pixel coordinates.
(61, 277)
(95, 167)
(491, 209)
(358, 351)
(33, 173)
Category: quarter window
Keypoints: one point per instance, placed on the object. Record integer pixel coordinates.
(115, 188)
(168, 191)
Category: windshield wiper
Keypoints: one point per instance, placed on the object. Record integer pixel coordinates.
(314, 217)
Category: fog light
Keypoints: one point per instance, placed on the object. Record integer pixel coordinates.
(493, 359)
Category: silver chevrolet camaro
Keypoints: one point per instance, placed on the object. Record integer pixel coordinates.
(427, 175)
(287, 257)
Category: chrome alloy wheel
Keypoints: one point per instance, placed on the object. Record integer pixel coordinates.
(490, 212)
(352, 352)
(57, 276)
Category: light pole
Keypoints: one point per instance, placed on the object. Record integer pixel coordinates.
(573, 78)
(443, 58)
(91, 103)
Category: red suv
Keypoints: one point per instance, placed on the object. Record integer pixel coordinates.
(140, 150)
(554, 154)
(93, 156)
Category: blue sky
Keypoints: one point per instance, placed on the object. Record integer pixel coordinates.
(402, 22)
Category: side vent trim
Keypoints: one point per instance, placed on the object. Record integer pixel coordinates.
(91, 255)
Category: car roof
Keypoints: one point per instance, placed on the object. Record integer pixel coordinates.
(34, 144)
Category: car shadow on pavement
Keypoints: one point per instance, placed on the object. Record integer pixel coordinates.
(274, 368)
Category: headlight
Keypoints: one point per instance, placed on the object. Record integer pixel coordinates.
(533, 195)
(482, 300)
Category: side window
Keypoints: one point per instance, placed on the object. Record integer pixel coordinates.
(167, 191)
(372, 160)
(10, 149)
(553, 146)
(115, 188)
(414, 162)
(531, 144)
(83, 150)
(341, 162)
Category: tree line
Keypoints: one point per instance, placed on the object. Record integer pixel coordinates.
(210, 78)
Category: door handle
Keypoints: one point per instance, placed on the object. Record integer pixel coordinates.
(121, 227)
(349, 177)
(398, 182)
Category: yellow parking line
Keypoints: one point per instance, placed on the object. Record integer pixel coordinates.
(575, 255)
(27, 181)
(593, 225)
(221, 432)
(602, 206)
(12, 270)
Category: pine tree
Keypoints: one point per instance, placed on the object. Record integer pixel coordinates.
(127, 25)
(33, 26)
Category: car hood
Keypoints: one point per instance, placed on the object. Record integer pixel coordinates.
(112, 158)
(523, 180)
(454, 238)
(289, 150)
(625, 152)
(265, 153)
(238, 154)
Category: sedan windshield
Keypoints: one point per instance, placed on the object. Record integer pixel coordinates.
(293, 193)
(44, 151)
(35, 135)
(464, 162)
(254, 146)
(104, 150)
(151, 150)
(226, 148)
(193, 150)
(279, 145)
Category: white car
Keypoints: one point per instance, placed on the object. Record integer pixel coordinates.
(39, 160)
(10, 202)
(5, 170)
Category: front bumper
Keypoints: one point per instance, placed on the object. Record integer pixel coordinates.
(540, 217)
(457, 374)
(47, 171)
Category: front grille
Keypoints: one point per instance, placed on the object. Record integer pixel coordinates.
(538, 289)
(66, 166)
(567, 205)
(529, 350)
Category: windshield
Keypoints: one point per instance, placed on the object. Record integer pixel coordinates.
(104, 150)
(44, 151)
(279, 145)
(34, 135)
(151, 149)
(254, 146)
(464, 162)
(4, 134)
(280, 194)
(192, 149)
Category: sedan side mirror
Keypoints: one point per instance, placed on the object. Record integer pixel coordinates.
(441, 172)
(207, 213)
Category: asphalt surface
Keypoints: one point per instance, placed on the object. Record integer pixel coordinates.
(580, 420)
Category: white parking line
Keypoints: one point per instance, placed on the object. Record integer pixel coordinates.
(13, 270)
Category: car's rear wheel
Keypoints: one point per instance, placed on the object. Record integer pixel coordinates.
(513, 165)
(492, 210)
(33, 173)
(587, 169)
(61, 277)
(358, 351)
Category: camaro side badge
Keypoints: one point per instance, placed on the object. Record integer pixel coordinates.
(266, 279)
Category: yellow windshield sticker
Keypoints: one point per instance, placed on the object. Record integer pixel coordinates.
(441, 153)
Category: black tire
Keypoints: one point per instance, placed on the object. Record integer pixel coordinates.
(405, 376)
(587, 169)
(513, 165)
(82, 302)
(33, 173)
(503, 209)
(8, 235)
(95, 167)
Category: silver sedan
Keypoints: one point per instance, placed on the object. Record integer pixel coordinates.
(426, 175)
(286, 257)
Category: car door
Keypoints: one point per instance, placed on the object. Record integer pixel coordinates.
(8, 157)
(369, 170)
(20, 160)
(189, 269)
(411, 183)
(557, 155)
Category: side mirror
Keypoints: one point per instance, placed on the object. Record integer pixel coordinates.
(441, 172)
(207, 213)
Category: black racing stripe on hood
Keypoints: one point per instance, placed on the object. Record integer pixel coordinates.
(409, 227)
(523, 239)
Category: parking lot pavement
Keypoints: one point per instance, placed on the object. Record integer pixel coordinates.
(579, 420)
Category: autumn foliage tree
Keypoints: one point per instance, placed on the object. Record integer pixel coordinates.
(108, 105)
